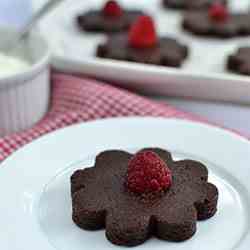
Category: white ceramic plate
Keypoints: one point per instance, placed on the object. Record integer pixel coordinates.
(202, 76)
(35, 210)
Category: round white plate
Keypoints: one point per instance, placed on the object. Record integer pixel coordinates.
(35, 208)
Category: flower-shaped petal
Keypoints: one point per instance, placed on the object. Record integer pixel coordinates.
(193, 170)
(207, 206)
(132, 231)
(177, 223)
(88, 209)
(90, 195)
(107, 160)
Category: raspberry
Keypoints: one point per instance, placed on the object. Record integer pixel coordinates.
(142, 33)
(147, 173)
(218, 12)
(112, 9)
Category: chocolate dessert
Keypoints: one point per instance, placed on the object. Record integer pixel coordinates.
(142, 45)
(191, 4)
(239, 62)
(217, 22)
(138, 196)
(112, 18)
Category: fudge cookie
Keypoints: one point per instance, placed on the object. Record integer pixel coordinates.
(239, 62)
(112, 18)
(217, 22)
(138, 196)
(142, 45)
(191, 4)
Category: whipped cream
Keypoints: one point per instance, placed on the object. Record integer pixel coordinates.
(10, 65)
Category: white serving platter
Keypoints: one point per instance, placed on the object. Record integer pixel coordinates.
(202, 76)
(35, 210)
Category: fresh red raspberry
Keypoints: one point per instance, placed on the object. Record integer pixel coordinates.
(142, 33)
(218, 12)
(112, 9)
(147, 173)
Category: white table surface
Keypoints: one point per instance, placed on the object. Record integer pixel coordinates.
(16, 12)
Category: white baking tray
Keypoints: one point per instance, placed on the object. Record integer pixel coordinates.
(202, 76)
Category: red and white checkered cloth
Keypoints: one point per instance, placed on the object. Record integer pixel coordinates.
(77, 100)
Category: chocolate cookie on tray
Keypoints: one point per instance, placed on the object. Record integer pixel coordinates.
(138, 196)
(239, 62)
(218, 22)
(191, 4)
(142, 44)
(111, 18)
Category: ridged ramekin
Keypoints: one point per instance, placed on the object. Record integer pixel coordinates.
(24, 97)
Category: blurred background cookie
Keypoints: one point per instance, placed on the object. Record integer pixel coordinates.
(111, 18)
(191, 4)
(218, 22)
(239, 62)
(143, 45)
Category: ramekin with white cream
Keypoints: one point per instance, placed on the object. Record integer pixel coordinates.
(24, 82)
(11, 65)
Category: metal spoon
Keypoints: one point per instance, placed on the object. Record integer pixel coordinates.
(22, 34)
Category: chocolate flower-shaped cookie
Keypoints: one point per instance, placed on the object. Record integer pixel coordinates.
(217, 22)
(142, 44)
(100, 198)
(111, 18)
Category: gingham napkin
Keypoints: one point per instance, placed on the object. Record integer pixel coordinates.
(76, 99)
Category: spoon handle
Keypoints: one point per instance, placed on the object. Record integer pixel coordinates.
(46, 8)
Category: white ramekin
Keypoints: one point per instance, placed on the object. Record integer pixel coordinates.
(24, 97)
